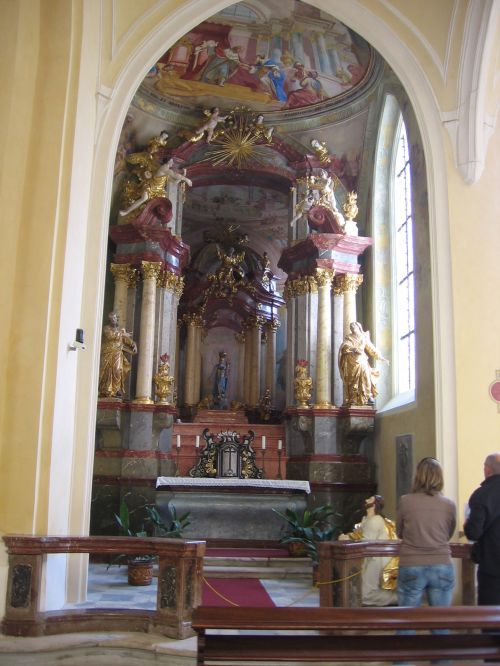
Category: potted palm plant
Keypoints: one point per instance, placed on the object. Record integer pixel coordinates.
(140, 567)
(305, 530)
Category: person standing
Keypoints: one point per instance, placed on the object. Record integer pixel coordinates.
(425, 523)
(483, 526)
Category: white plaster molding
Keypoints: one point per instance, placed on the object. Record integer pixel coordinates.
(469, 127)
(441, 66)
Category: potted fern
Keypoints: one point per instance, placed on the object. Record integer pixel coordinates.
(140, 567)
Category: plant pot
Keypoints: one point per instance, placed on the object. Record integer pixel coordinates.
(296, 549)
(140, 572)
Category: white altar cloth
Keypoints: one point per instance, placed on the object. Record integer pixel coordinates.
(197, 482)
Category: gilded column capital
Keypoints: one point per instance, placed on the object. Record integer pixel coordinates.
(121, 272)
(171, 282)
(240, 337)
(134, 278)
(150, 270)
(273, 325)
(324, 277)
(193, 319)
(255, 321)
(347, 282)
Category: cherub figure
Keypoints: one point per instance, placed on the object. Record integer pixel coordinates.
(208, 129)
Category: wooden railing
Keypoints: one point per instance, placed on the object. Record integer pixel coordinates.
(287, 635)
(340, 564)
(180, 568)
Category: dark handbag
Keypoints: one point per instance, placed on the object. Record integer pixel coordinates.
(475, 552)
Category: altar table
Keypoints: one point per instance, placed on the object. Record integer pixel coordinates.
(230, 508)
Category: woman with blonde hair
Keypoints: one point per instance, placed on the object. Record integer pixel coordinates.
(426, 520)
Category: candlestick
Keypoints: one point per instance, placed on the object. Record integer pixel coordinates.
(280, 452)
(263, 442)
(197, 441)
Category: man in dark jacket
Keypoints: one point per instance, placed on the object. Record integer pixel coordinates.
(483, 526)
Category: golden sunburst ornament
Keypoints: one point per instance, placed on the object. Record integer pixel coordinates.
(239, 142)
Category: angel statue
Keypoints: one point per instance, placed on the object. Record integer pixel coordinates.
(154, 186)
(209, 127)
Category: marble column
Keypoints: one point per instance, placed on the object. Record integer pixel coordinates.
(247, 363)
(324, 278)
(192, 323)
(122, 274)
(349, 283)
(150, 272)
(270, 381)
(338, 336)
(177, 359)
(171, 287)
(240, 379)
(199, 333)
(256, 328)
(292, 230)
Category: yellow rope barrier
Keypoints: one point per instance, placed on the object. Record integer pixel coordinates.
(219, 594)
(316, 585)
(338, 580)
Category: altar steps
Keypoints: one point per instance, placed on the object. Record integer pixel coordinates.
(256, 566)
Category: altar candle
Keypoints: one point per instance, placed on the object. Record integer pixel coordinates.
(197, 441)
(178, 441)
(280, 444)
(263, 441)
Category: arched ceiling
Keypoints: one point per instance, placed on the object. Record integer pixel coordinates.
(309, 76)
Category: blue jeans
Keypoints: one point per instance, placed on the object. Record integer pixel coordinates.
(435, 581)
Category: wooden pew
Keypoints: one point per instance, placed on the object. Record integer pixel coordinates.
(346, 634)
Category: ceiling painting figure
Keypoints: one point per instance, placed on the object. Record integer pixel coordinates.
(291, 58)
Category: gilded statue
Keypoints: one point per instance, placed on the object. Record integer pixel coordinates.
(321, 151)
(147, 160)
(357, 374)
(153, 186)
(302, 384)
(230, 275)
(164, 382)
(115, 366)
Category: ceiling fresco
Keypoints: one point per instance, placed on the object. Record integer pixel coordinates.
(282, 56)
(300, 72)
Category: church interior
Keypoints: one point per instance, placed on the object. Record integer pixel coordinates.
(253, 287)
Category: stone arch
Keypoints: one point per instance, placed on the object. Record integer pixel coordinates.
(114, 104)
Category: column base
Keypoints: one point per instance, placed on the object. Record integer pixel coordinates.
(143, 401)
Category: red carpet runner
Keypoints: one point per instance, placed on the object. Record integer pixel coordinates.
(235, 592)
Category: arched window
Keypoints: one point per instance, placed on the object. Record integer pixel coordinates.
(393, 269)
(402, 231)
